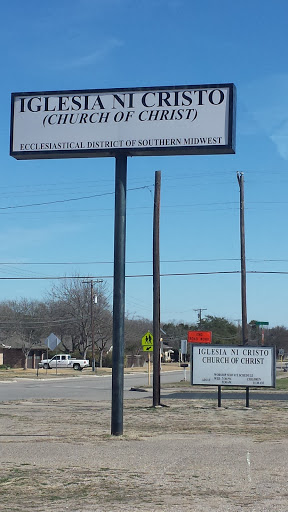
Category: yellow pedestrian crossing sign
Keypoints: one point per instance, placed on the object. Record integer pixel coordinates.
(147, 339)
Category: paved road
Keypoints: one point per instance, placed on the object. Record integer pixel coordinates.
(98, 388)
(85, 387)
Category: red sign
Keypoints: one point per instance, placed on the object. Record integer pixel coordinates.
(199, 336)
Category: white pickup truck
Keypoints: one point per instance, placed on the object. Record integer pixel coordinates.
(64, 361)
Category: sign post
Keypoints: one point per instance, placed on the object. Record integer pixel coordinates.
(261, 324)
(149, 121)
(119, 296)
(281, 356)
(147, 346)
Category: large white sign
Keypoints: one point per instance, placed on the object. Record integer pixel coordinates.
(234, 366)
(148, 121)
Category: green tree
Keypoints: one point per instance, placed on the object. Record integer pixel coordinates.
(224, 332)
(174, 333)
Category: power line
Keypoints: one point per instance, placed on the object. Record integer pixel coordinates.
(71, 199)
(29, 321)
(175, 274)
(170, 207)
(198, 260)
(111, 262)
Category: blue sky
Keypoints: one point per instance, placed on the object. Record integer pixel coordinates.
(96, 44)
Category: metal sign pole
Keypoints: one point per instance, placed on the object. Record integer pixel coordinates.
(119, 296)
(191, 363)
(247, 397)
(219, 396)
(149, 368)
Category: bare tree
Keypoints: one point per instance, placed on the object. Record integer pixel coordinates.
(69, 299)
(135, 329)
(70, 303)
(276, 336)
(103, 333)
(26, 322)
(6, 323)
(62, 324)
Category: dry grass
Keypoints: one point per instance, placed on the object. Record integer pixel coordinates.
(60, 456)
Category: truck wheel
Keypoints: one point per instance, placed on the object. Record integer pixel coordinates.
(76, 366)
(46, 366)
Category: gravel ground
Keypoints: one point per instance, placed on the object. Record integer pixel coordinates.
(187, 456)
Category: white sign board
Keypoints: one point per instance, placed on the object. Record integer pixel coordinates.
(136, 122)
(222, 365)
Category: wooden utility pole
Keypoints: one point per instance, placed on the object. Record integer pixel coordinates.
(92, 325)
(200, 316)
(156, 291)
(92, 298)
(240, 178)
